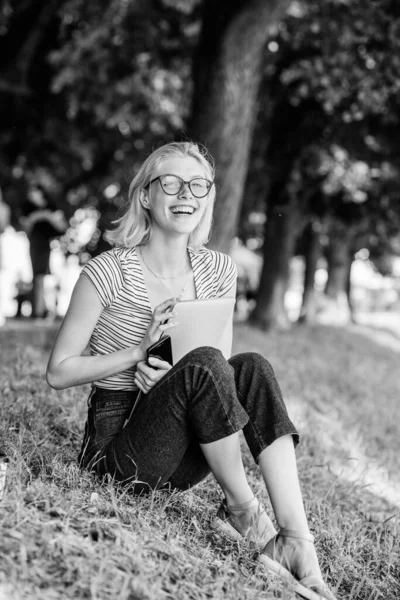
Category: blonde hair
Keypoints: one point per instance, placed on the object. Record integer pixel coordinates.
(133, 227)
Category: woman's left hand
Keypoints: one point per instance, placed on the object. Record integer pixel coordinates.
(146, 377)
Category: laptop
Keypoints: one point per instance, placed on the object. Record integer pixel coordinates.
(202, 323)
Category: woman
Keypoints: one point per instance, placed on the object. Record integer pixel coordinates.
(188, 421)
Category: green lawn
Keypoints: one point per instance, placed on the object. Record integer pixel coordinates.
(63, 534)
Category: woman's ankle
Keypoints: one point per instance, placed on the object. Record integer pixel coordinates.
(234, 499)
(243, 506)
(297, 523)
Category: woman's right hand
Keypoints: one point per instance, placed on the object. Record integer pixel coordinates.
(161, 321)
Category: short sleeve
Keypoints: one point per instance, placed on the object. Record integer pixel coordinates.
(105, 273)
(226, 272)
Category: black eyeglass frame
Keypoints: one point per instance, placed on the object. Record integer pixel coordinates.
(183, 182)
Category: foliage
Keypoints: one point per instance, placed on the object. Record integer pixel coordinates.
(124, 67)
(362, 195)
(88, 88)
(328, 114)
(115, 81)
(348, 57)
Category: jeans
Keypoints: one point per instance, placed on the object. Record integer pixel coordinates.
(203, 398)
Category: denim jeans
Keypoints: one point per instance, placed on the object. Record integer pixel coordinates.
(203, 398)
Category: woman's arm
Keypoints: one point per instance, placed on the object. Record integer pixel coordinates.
(68, 366)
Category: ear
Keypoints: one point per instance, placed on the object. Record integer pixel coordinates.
(143, 199)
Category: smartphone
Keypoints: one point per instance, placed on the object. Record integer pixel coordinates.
(162, 350)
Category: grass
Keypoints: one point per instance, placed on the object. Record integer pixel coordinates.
(64, 534)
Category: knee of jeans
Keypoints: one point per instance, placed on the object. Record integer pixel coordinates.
(254, 360)
(205, 355)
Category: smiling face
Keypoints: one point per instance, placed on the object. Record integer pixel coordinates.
(179, 213)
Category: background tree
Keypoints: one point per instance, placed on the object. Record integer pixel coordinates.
(123, 76)
(226, 73)
(336, 65)
(4, 221)
(88, 92)
(88, 89)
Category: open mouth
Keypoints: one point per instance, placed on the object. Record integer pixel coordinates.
(183, 210)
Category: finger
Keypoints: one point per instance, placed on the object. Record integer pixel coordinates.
(139, 378)
(143, 384)
(139, 366)
(148, 374)
(165, 326)
(147, 384)
(165, 316)
(170, 302)
(143, 369)
(144, 379)
(141, 387)
(157, 363)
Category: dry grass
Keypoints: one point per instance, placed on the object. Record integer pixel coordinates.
(64, 534)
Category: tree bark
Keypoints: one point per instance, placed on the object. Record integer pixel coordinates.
(290, 130)
(336, 308)
(348, 289)
(338, 264)
(4, 222)
(280, 236)
(312, 254)
(227, 74)
(39, 307)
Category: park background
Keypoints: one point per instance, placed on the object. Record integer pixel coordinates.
(298, 103)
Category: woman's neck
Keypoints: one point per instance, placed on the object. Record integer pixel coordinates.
(166, 257)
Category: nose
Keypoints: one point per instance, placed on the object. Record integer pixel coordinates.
(185, 188)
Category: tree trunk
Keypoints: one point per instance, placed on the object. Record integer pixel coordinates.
(39, 307)
(336, 305)
(348, 289)
(312, 253)
(338, 266)
(290, 129)
(280, 236)
(227, 73)
(4, 222)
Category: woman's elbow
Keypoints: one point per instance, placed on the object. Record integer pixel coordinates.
(54, 380)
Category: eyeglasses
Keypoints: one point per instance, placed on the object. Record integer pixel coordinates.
(172, 185)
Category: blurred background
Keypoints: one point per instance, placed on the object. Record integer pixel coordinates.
(297, 101)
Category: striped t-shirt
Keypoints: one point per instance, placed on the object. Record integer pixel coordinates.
(118, 278)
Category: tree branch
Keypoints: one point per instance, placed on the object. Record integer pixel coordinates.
(27, 52)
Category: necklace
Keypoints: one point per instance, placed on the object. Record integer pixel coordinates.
(160, 276)
(160, 279)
